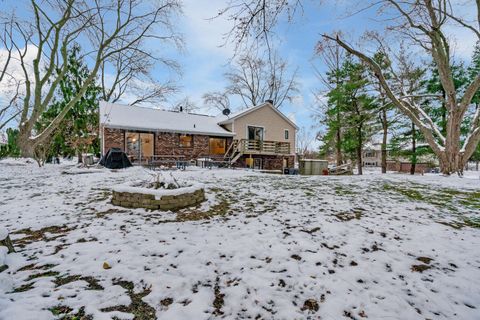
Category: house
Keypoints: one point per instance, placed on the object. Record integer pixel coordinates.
(260, 136)
(372, 155)
(264, 137)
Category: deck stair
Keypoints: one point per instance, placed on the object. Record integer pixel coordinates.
(232, 154)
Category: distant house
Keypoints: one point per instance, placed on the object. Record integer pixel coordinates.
(372, 155)
(260, 136)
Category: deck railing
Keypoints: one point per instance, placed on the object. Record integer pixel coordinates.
(263, 147)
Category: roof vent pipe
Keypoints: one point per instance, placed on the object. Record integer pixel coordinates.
(269, 101)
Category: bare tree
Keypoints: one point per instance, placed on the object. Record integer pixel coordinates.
(107, 28)
(408, 78)
(256, 19)
(9, 85)
(304, 140)
(255, 79)
(132, 75)
(185, 105)
(423, 23)
(216, 99)
(332, 57)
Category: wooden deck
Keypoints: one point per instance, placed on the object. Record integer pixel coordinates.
(263, 147)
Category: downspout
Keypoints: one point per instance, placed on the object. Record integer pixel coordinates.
(102, 140)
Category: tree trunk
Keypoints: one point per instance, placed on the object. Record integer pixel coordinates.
(444, 112)
(384, 140)
(25, 144)
(414, 151)
(339, 148)
(359, 150)
(451, 162)
(450, 159)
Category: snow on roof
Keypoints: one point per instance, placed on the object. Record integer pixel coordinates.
(142, 118)
(243, 112)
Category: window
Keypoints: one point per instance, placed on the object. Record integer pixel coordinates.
(369, 154)
(286, 134)
(217, 146)
(255, 133)
(186, 140)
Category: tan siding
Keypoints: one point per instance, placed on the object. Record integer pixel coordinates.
(227, 126)
(273, 123)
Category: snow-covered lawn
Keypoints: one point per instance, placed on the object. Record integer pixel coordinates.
(262, 247)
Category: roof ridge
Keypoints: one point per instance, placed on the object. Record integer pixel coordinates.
(157, 109)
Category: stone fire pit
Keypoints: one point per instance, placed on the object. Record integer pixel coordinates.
(133, 195)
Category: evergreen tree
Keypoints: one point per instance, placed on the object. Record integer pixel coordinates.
(438, 110)
(410, 80)
(11, 148)
(77, 133)
(331, 117)
(385, 107)
(350, 108)
(408, 142)
(473, 70)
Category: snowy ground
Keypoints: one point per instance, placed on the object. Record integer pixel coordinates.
(263, 247)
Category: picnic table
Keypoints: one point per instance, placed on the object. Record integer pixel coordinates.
(210, 163)
(170, 161)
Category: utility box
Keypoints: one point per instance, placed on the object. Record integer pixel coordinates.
(312, 167)
(87, 159)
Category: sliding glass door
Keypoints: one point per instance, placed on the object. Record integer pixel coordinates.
(255, 133)
(139, 146)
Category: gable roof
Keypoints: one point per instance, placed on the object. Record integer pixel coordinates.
(244, 112)
(142, 118)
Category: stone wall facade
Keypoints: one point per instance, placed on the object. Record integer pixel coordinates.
(166, 143)
(113, 138)
(148, 201)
